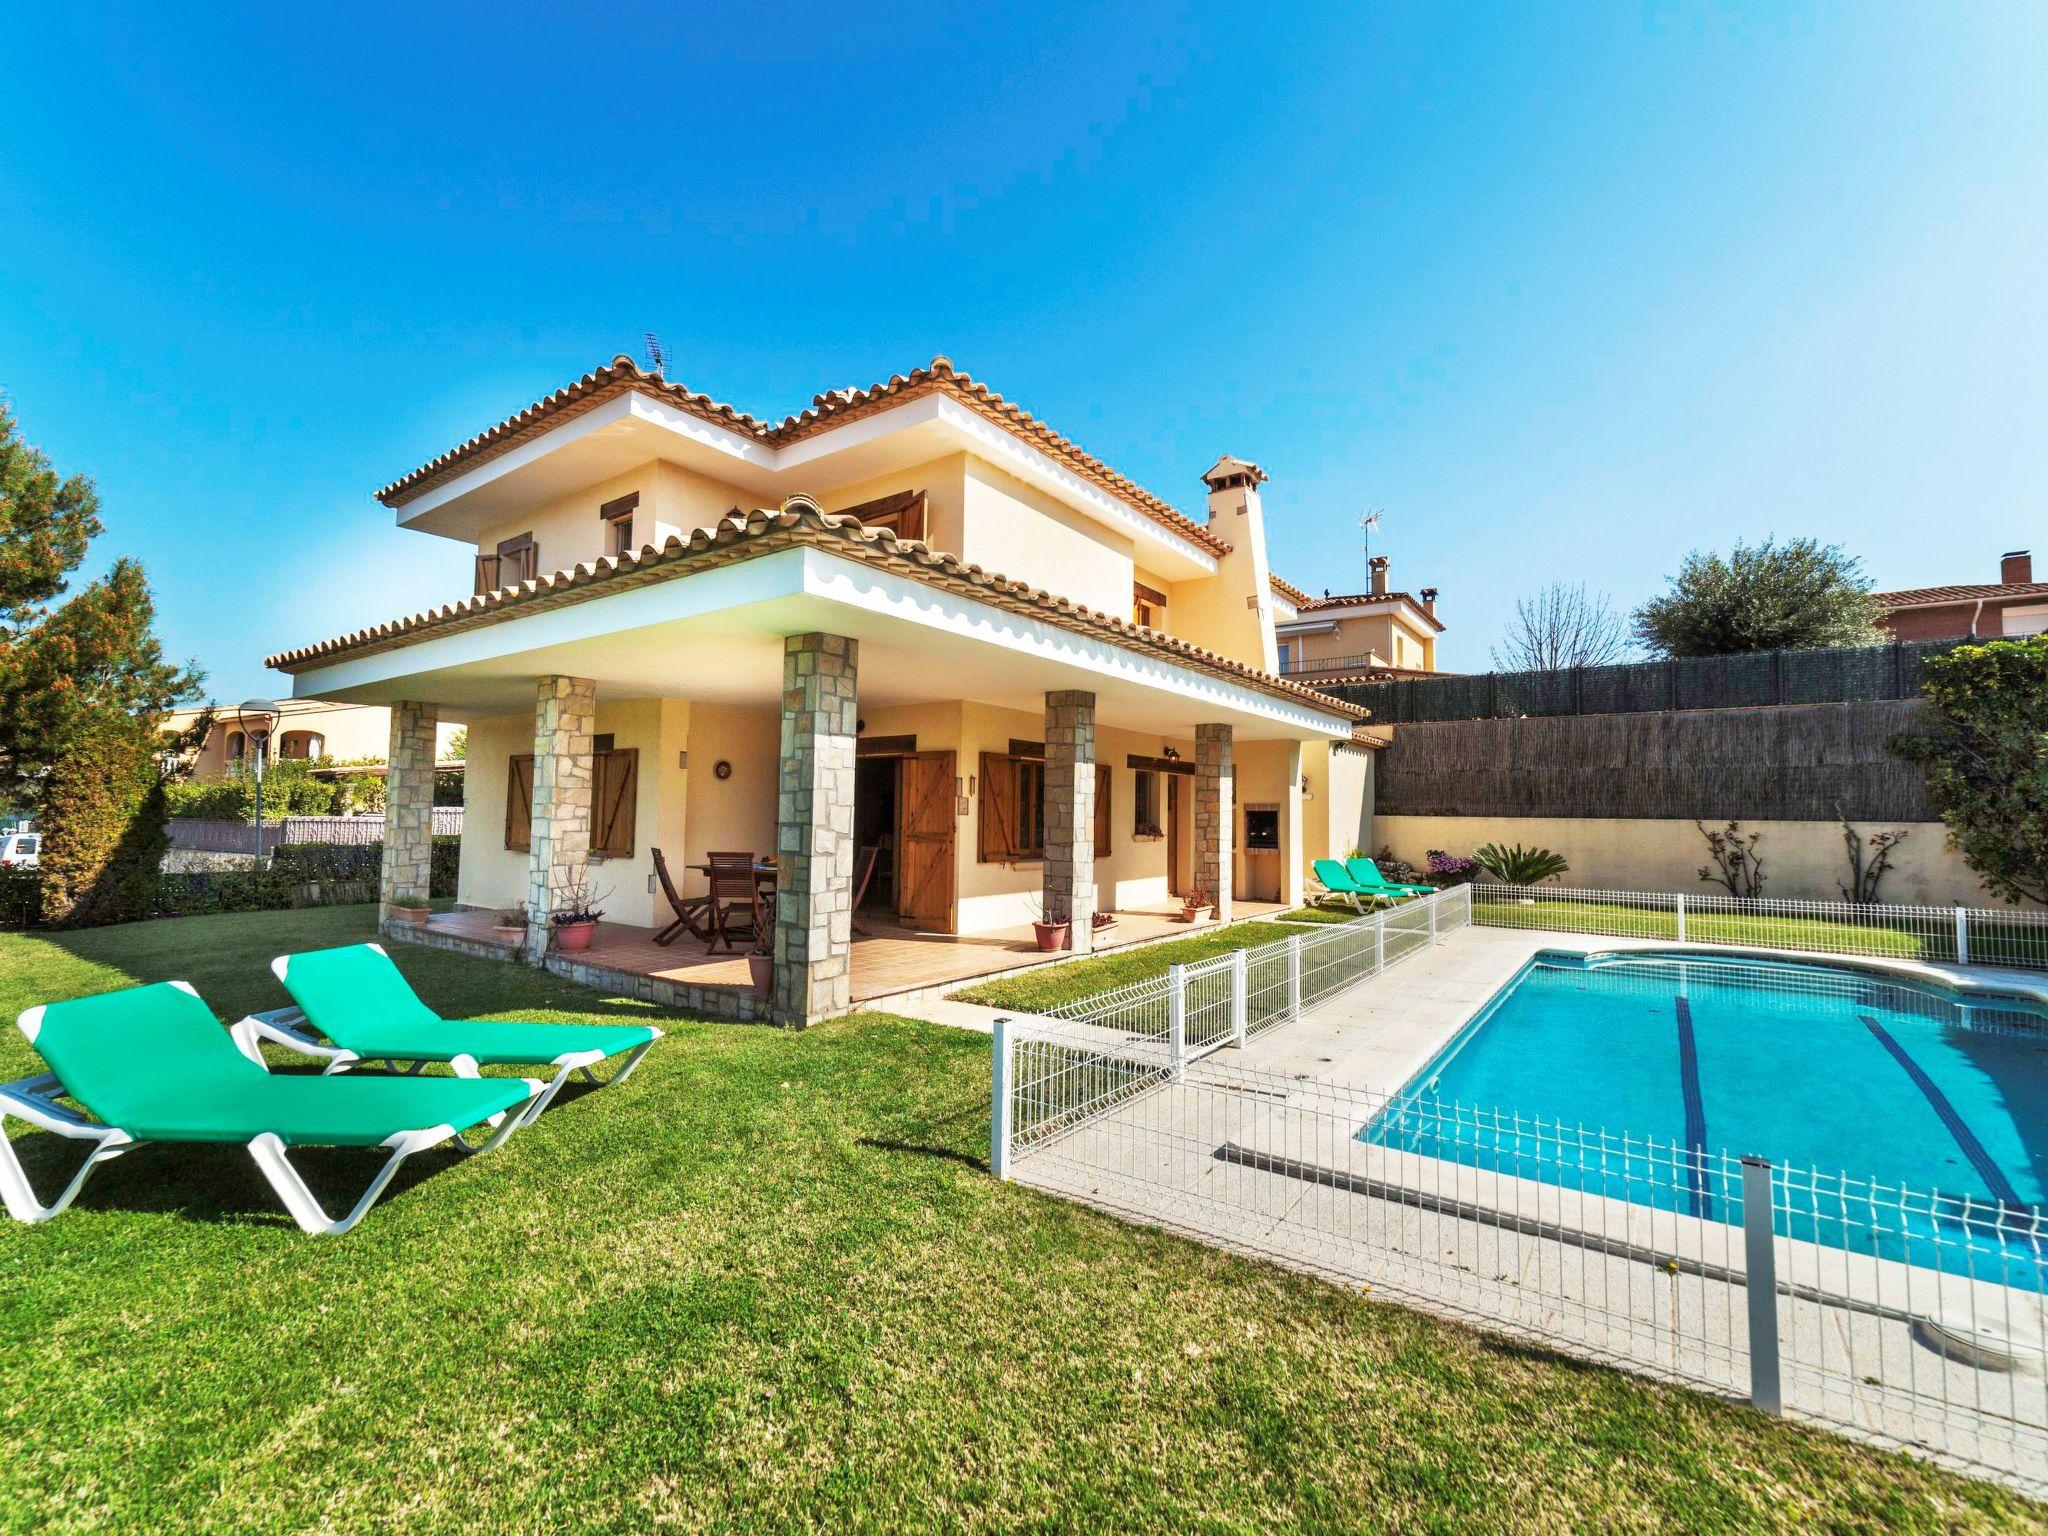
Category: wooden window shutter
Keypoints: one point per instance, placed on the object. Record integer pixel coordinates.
(519, 803)
(995, 834)
(615, 785)
(1102, 811)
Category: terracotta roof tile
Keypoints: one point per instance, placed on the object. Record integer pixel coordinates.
(1344, 599)
(827, 409)
(1996, 591)
(799, 521)
(1289, 590)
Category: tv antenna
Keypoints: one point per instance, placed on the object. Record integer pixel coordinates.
(656, 358)
(1367, 521)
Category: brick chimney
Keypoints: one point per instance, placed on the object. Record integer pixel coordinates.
(1378, 564)
(2016, 568)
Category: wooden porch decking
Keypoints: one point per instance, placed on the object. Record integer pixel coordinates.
(889, 962)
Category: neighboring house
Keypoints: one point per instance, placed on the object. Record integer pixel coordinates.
(2015, 604)
(912, 619)
(303, 728)
(1360, 633)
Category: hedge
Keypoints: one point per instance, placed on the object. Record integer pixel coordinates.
(298, 875)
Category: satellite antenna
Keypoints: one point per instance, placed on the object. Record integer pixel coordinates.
(656, 358)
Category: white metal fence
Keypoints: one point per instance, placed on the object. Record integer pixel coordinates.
(1961, 935)
(1902, 1315)
(1113, 1045)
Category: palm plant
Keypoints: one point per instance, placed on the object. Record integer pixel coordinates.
(1519, 865)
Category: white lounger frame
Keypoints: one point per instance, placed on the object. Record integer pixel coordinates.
(290, 1028)
(34, 1099)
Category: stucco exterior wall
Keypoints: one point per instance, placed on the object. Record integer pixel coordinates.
(568, 531)
(346, 731)
(1802, 859)
(1337, 811)
(1010, 528)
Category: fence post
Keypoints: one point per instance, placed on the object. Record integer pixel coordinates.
(1681, 917)
(1430, 902)
(1177, 1021)
(1962, 935)
(999, 1101)
(1294, 976)
(1239, 1002)
(1379, 944)
(1760, 1267)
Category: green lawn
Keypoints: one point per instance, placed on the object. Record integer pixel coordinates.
(1329, 914)
(1049, 985)
(1716, 928)
(768, 1285)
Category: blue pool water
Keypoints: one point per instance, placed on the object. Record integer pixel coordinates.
(1632, 1075)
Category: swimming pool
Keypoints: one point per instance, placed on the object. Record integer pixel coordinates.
(1640, 1075)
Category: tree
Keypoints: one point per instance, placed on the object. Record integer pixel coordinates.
(1763, 597)
(84, 687)
(1561, 626)
(1987, 759)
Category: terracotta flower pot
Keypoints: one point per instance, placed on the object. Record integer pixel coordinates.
(763, 969)
(411, 914)
(572, 938)
(1051, 936)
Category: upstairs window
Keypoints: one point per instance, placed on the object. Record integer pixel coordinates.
(903, 514)
(517, 560)
(618, 524)
(1148, 606)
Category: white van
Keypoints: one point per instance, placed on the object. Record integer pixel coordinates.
(24, 848)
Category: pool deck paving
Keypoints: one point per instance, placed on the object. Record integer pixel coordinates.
(1255, 1150)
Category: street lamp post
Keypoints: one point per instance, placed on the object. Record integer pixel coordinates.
(257, 718)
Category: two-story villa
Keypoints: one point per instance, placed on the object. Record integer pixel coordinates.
(911, 635)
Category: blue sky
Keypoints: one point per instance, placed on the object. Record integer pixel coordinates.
(1565, 293)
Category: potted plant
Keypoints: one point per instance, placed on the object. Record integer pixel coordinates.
(1195, 904)
(1050, 935)
(410, 907)
(761, 964)
(512, 925)
(576, 921)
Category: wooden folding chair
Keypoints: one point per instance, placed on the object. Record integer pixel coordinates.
(690, 911)
(731, 897)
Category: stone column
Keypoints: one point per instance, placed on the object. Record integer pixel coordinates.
(1069, 880)
(558, 857)
(1214, 795)
(409, 805)
(814, 828)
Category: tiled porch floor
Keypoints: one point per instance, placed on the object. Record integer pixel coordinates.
(888, 961)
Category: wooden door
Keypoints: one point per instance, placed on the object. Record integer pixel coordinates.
(924, 839)
(1176, 881)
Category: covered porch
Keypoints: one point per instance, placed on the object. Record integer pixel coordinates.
(888, 963)
(953, 755)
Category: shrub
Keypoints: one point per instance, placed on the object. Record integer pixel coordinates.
(291, 787)
(1987, 760)
(1519, 865)
(21, 896)
(1448, 869)
(103, 824)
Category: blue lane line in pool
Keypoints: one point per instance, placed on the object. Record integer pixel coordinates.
(1993, 1176)
(1695, 1116)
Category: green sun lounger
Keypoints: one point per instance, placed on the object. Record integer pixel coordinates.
(152, 1064)
(1336, 880)
(1369, 878)
(365, 1010)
